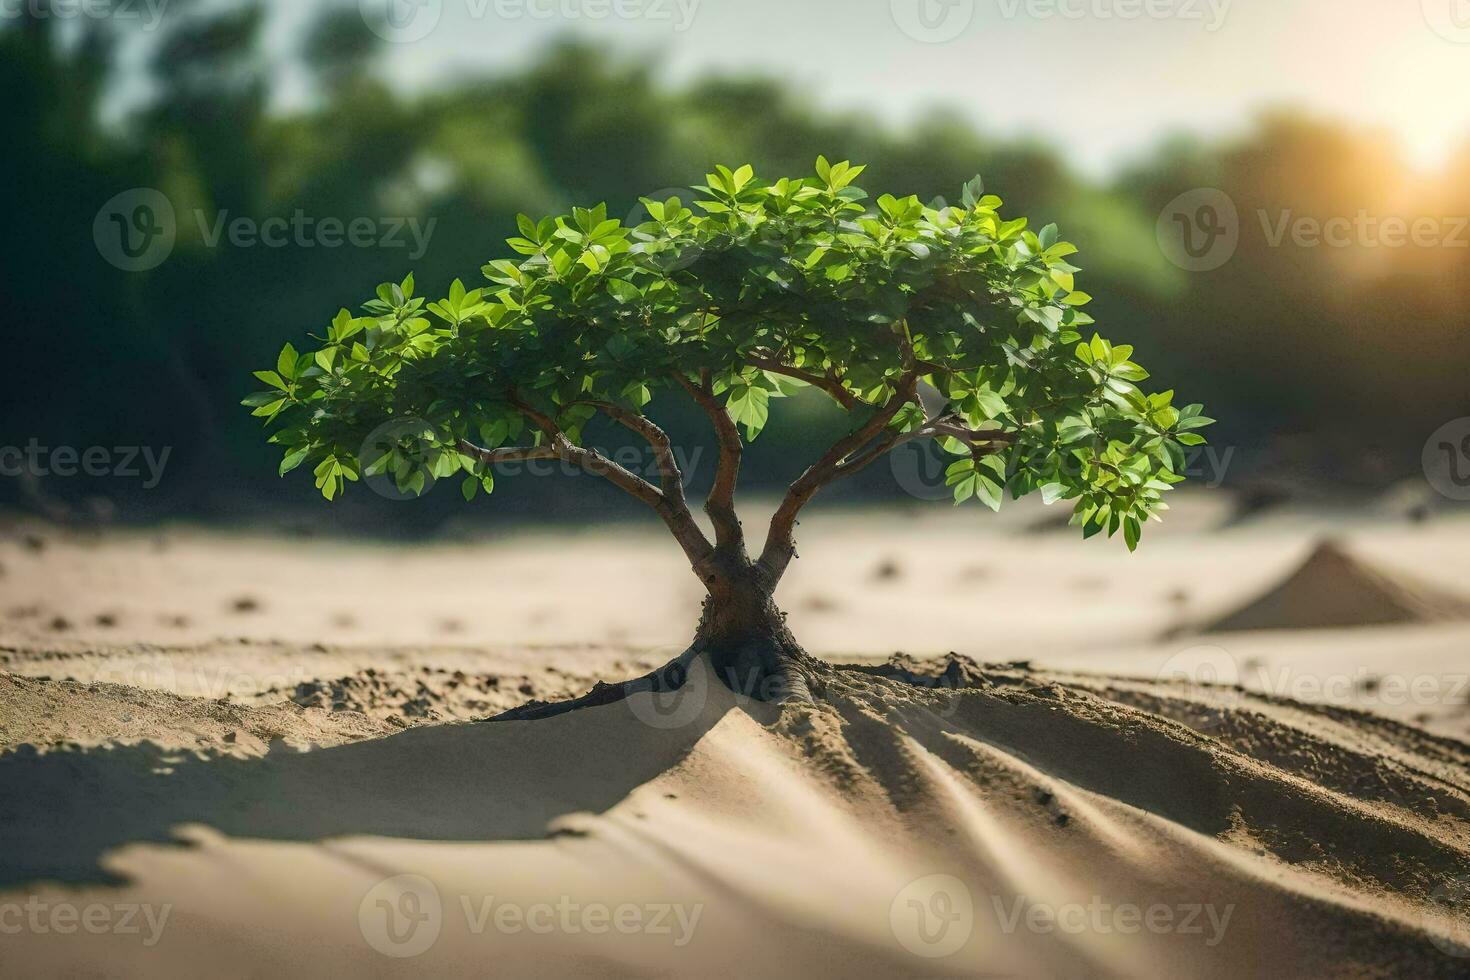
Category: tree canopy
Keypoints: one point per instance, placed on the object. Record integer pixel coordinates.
(939, 321)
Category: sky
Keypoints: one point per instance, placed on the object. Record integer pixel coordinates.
(1101, 79)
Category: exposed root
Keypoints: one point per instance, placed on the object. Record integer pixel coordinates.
(954, 672)
(779, 673)
(783, 674)
(670, 677)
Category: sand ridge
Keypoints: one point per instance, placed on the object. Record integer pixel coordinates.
(795, 831)
(282, 804)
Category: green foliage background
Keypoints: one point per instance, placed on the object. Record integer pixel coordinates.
(1281, 343)
(756, 283)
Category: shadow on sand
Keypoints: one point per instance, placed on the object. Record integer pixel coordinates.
(62, 810)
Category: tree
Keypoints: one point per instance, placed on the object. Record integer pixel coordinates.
(774, 286)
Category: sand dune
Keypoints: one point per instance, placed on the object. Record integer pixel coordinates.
(1028, 825)
(1335, 589)
(289, 780)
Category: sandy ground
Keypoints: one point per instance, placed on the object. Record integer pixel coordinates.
(260, 751)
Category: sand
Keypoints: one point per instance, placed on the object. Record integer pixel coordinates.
(265, 789)
(1334, 589)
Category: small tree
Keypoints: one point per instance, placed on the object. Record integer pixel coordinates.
(775, 285)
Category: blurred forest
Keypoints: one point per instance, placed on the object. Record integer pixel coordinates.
(1326, 364)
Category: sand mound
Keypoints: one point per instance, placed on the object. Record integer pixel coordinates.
(1334, 589)
(63, 715)
(1016, 824)
(427, 694)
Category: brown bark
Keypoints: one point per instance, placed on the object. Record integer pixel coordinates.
(720, 504)
(742, 632)
(746, 638)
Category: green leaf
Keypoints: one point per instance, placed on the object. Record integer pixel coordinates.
(798, 269)
(749, 406)
(972, 192)
(1132, 531)
(623, 291)
(286, 363)
(294, 460)
(272, 378)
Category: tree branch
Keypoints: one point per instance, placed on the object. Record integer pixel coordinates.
(720, 504)
(828, 383)
(983, 442)
(510, 454)
(696, 546)
(780, 544)
(670, 477)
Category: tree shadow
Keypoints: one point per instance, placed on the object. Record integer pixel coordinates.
(61, 811)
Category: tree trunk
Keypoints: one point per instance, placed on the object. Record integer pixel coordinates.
(742, 634)
(746, 639)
